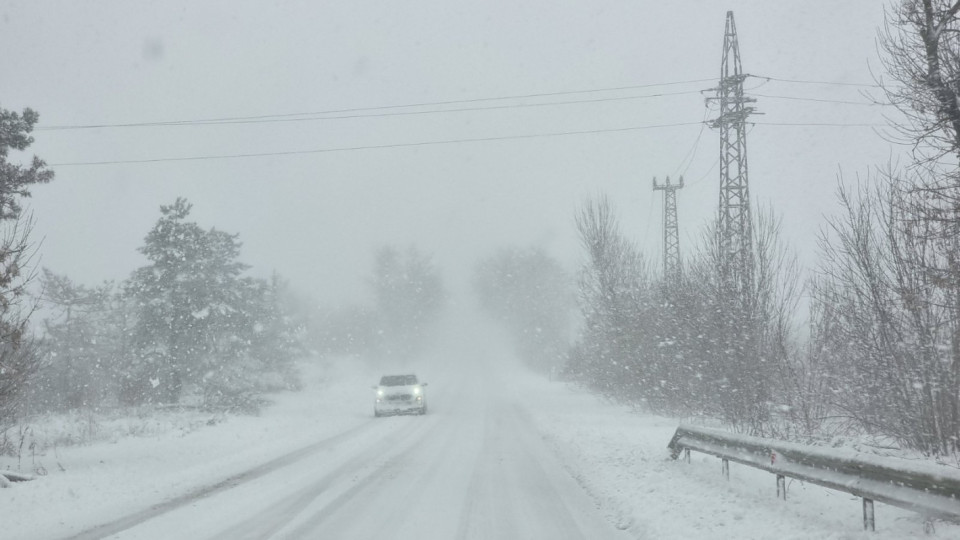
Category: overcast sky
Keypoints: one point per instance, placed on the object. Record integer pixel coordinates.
(317, 217)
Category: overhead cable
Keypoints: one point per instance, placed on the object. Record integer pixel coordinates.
(374, 115)
(372, 147)
(819, 100)
(229, 119)
(438, 142)
(828, 83)
(355, 112)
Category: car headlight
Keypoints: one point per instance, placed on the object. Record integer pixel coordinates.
(416, 391)
(379, 393)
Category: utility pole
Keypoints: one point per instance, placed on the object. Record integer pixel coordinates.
(671, 234)
(734, 229)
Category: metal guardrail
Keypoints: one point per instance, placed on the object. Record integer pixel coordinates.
(931, 490)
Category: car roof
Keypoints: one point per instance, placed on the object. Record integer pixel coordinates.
(398, 380)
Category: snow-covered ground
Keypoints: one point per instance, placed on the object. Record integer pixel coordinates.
(502, 454)
(621, 459)
(111, 479)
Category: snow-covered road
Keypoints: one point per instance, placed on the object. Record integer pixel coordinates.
(503, 453)
(475, 467)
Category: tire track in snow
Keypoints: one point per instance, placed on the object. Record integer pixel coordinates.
(132, 520)
(273, 519)
(376, 479)
(519, 489)
(470, 506)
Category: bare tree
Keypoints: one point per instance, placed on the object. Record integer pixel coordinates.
(612, 290)
(743, 345)
(19, 359)
(890, 337)
(689, 349)
(919, 246)
(921, 42)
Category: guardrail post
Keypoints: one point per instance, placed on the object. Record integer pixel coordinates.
(888, 480)
(868, 522)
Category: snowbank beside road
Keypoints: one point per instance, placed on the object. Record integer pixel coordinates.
(621, 459)
(107, 480)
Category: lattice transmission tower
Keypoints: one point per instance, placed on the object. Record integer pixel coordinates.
(671, 234)
(734, 227)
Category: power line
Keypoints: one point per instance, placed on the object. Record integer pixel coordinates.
(706, 174)
(373, 147)
(819, 100)
(801, 81)
(238, 119)
(352, 112)
(818, 124)
(692, 153)
(713, 167)
(437, 142)
(375, 115)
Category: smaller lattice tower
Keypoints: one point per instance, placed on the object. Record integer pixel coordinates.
(671, 234)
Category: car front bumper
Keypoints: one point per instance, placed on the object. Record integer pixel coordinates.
(400, 406)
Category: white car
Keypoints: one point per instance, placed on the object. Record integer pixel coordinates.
(400, 394)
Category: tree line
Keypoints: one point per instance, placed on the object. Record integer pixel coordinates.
(408, 295)
(189, 327)
(880, 353)
(186, 327)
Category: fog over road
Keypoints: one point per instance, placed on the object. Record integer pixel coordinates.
(503, 453)
(474, 467)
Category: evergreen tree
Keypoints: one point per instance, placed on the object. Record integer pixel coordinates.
(187, 297)
(77, 372)
(18, 362)
(15, 179)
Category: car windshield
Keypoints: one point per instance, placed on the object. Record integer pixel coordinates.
(398, 380)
